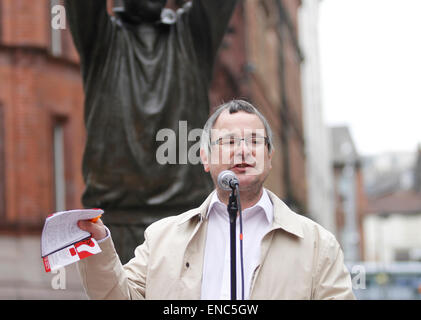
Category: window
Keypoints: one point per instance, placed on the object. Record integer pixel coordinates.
(1, 21)
(56, 39)
(2, 168)
(402, 254)
(59, 166)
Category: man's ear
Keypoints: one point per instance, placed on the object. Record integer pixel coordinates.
(205, 160)
(270, 155)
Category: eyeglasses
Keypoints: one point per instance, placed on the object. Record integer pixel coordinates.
(253, 142)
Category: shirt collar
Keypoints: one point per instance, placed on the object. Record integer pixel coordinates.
(283, 217)
(264, 203)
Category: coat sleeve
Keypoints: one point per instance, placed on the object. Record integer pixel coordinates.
(104, 277)
(333, 280)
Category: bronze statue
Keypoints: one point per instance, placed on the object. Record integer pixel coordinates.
(143, 71)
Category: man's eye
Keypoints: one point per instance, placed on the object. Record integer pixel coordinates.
(229, 141)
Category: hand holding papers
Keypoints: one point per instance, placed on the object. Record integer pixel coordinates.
(63, 242)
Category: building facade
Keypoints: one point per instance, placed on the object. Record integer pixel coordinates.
(320, 191)
(350, 198)
(274, 60)
(392, 217)
(41, 122)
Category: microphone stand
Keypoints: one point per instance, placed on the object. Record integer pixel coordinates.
(232, 210)
(234, 206)
(240, 215)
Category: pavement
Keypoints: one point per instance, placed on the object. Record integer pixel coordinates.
(22, 274)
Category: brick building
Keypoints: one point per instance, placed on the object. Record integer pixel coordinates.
(42, 130)
(393, 207)
(41, 120)
(260, 61)
(351, 199)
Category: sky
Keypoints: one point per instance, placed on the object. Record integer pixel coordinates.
(370, 52)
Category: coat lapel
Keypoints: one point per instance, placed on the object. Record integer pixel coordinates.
(192, 268)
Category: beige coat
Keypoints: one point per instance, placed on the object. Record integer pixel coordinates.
(299, 260)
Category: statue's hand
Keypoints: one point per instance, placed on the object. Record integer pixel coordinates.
(96, 229)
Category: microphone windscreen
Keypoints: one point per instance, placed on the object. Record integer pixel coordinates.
(224, 179)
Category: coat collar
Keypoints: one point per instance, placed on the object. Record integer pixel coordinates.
(199, 212)
(283, 217)
(264, 204)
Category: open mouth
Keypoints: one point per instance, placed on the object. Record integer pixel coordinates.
(242, 166)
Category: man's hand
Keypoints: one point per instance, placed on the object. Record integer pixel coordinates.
(96, 229)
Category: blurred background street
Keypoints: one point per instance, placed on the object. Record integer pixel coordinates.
(22, 274)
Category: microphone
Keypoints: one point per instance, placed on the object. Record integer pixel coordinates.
(227, 180)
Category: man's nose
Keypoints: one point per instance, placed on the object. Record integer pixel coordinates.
(241, 147)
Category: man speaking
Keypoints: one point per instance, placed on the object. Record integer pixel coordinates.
(286, 255)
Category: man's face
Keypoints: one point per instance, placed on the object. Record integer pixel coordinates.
(249, 159)
(149, 9)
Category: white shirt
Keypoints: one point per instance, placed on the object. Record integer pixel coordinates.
(257, 221)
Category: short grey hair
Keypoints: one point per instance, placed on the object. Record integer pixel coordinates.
(233, 106)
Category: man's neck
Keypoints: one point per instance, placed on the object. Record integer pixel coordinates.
(248, 198)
